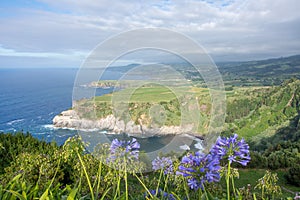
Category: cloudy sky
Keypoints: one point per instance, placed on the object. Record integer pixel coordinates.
(48, 33)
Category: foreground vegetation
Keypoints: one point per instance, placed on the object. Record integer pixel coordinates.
(32, 169)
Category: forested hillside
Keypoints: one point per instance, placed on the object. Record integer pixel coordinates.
(269, 120)
(256, 113)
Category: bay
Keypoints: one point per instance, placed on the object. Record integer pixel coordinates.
(31, 98)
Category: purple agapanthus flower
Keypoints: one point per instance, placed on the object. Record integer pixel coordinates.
(199, 168)
(232, 149)
(128, 149)
(164, 163)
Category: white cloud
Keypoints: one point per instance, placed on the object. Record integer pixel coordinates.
(13, 53)
(233, 27)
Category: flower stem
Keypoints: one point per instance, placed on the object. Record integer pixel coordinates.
(200, 194)
(233, 186)
(99, 177)
(166, 182)
(118, 188)
(160, 175)
(143, 185)
(87, 176)
(227, 181)
(186, 191)
(125, 178)
(205, 192)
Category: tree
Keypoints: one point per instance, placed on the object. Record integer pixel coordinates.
(293, 175)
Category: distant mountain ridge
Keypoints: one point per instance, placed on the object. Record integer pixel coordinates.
(245, 73)
(267, 72)
(255, 73)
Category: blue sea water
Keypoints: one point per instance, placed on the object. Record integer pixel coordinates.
(31, 98)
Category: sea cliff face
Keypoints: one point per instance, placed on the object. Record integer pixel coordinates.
(70, 119)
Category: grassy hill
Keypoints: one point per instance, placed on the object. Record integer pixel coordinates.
(252, 112)
(140, 102)
(259, 112)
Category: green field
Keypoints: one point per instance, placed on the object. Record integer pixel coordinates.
(153, 93)
(142, 94)
(170, 101)
(252, 112)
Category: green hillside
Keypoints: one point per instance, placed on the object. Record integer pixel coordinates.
(252, 112)
(140, 101)
(260, 112)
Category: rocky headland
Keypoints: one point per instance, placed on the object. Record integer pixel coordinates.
(70, 119)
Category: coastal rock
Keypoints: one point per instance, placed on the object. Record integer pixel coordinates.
(131, 127)
(119, 126)
(70, 120)
(105, 123)
(67, 118)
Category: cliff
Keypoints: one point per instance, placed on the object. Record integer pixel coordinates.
(70, 119)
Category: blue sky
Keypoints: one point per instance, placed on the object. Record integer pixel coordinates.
(47, 33)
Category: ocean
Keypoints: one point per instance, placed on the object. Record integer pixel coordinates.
(31, 98)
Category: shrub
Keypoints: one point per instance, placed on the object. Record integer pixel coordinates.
(293, 175)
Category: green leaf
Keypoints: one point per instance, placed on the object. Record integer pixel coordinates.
(24, 194)
(85, 197)
(208, 196)
(254, 196)
(175, 195)
(16, 194)
(72, 194)
(16, 178)
(33, 192)
(45, 195)
(105, 193)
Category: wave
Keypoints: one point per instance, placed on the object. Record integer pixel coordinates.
(43, 133)
(51, 113)
(49, 126)
(11, 130)
(199, 146)
(185, 147)
(14, 121)
(191, 137)
(64, 135)
(87, 130)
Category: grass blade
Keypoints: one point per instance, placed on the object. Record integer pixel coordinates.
(72, 194)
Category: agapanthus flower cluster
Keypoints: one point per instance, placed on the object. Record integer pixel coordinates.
(160, 194)
(232, 149)
(127, 149)
(199, 168)
(164, 163)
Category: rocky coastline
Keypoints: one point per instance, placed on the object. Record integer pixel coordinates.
(69, 119)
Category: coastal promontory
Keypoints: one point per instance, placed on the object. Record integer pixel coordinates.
(70, 120)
